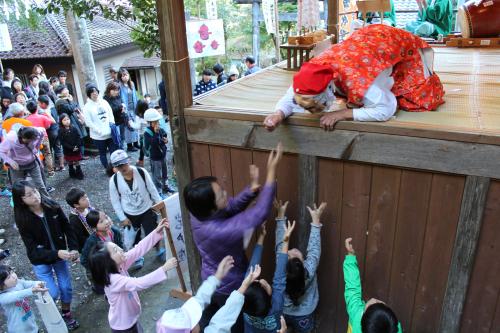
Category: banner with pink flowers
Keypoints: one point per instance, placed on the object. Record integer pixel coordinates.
(205, 38)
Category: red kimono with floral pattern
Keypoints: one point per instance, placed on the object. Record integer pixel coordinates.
(358, 60)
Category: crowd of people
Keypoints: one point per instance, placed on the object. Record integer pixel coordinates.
(207, 83)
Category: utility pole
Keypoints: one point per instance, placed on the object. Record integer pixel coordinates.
(175, 71)
(82, 50)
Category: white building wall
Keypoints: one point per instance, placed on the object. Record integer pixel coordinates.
(115, 61)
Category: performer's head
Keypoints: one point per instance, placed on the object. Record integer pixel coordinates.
(313, 87)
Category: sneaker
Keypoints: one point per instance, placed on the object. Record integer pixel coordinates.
(138, 264)
(5, 193)
(132, 149)
(50, 189)
(70, 322)
(2, 241)
(161, 253)
(2, 231)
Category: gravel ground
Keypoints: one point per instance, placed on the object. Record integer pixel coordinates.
(90, 309)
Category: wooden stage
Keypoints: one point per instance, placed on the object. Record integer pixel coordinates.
(419, 194)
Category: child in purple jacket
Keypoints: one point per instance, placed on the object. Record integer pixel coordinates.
(219, 225)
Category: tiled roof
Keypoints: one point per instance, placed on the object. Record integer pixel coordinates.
(52, 40)
(27, 43)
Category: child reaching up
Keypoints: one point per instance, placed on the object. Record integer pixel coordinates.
(109, 264)
(14, 299)
(364, 317)
(301, 297)
(264, 305)
(186, 318)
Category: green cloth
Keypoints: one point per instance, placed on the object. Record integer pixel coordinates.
(353, 295)
(436, 19)
(388, 16)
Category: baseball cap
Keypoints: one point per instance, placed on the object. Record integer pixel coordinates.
(119, 157)
(180, 320)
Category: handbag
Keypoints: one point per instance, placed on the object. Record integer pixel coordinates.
(129, 234)
(51, 317)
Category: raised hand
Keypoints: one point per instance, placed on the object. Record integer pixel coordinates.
(253, 274)
(316, 212)
(262, 234)
(224, 267)
(280, 207)
(288, 231)
(254, 178)
(283, 325)
(272, 163)
(349, 247)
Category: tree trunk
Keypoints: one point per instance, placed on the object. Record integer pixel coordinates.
(82, 51)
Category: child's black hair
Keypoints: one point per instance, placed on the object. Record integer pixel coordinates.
(28, 133)
(22, 214)
(61, 117)
(32, 106)
(93, 218)
(200, 197)
(4, 274)
(73, 196)
(257, 301)
(90, 88)
(101, 264)
(141, 108)
(379, 318)
(44, 99)
(295, 280)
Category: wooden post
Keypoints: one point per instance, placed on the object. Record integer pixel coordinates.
(308, 180)
(333, 19)
(462, 262)
(175, 71)
(256, 31)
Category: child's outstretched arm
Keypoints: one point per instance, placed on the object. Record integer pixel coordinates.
(314, 246)
(257, 250)
(145, 244)
(280, 223)
(279, 279)
(225, 318)
(30, 287)
(353, 294)
(207, 288)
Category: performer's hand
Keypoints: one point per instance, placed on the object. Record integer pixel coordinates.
(329, 120)
(272, 121)
(349, 247)
(254, 178)
(224, 267)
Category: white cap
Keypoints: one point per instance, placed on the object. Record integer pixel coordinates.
(119, 157)
(152, 115)
(233, 71)
(180, 320)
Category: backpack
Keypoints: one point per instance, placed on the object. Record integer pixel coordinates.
(143, 176)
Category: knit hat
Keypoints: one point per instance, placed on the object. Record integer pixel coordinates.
(119, 157)
(180, 320)
(312, 79)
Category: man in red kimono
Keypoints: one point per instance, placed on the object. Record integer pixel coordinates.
(378, 69)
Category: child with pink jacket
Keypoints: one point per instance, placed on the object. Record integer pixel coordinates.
(109, 264)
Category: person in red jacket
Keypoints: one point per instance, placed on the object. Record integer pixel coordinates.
(378, 69)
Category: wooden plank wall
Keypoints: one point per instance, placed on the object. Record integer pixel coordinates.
(403, 225)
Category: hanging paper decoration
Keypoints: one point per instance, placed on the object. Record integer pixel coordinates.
(205, 38)
(6, 10)
(27, 7)
(308, 14)
(5, 42)
(268, 10)
(211, 9)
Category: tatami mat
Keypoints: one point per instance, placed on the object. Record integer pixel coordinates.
(472, 102)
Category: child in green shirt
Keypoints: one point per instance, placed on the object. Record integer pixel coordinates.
(364, 317)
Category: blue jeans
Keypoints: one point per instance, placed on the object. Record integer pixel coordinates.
(104, 146)
(63, 287)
